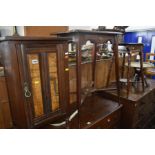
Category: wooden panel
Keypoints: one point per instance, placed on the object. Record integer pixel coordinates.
(5, 115)
(109, 122)
(102, 68)
(43, 30)
(3, 90)
(72, 84)
(52, 61)
(36, 84)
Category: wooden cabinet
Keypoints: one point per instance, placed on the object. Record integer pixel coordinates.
(37, 78)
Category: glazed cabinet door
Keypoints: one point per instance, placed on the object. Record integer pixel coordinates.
(43, 75)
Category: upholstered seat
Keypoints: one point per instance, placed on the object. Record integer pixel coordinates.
(150, 71)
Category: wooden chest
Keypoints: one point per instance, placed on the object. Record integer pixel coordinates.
(139, 108)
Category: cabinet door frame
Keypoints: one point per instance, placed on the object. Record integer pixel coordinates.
(26, 48)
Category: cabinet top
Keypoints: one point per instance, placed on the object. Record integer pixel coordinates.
(33, 38)
(90, 32)
(131, 44)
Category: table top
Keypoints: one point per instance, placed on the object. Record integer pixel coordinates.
(1, 71)
(131, 44)
(89, 32)
(34, 38)
(137, 65)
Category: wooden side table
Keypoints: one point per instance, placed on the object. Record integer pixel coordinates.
(80, 37)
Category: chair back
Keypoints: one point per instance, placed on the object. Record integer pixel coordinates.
(148, 55)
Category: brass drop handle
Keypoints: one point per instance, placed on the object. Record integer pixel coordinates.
(27, 93)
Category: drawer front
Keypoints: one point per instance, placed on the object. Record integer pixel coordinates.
(109, 122)
(145, 111)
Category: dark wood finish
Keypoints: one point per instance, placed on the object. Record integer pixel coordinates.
(97, 113)
(79, 37)
(139, 108)
(16, 53)
(5, 115)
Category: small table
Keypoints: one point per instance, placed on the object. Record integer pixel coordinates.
(137, 74)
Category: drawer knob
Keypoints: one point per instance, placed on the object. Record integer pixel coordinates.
(108, 120)
(88, 123)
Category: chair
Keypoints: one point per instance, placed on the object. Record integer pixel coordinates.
(131, 50)
(150, 71)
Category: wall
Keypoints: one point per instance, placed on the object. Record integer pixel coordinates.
(139, 28)
(147, 36)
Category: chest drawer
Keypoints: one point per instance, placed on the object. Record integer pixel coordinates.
(110, 121)
(144, 111)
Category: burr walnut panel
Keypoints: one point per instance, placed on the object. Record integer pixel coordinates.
(33, 60)
(52, 61)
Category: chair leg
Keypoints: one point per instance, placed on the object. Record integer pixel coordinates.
(141, 69)
(128, 73)
(123, 66)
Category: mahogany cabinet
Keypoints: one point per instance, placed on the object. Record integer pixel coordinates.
(37, 78)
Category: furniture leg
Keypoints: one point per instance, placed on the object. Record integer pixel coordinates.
(128, 73)
(141, 68)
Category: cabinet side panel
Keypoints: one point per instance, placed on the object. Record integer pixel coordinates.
(5, 116)
(15, 92)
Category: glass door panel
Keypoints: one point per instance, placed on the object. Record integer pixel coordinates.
(52, 62)
(33, 61)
